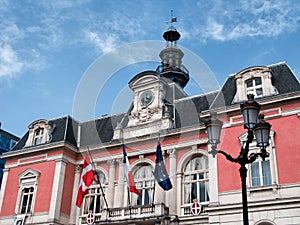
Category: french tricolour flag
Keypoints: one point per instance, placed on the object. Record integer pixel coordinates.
(128, 173)
(87, 178)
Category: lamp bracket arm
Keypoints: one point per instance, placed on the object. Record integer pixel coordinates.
(228, 157)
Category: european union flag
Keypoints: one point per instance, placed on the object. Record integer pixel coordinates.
(160, 172)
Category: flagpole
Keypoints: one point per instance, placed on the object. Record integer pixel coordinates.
(128, 191)
(154, 186)
(97, 177)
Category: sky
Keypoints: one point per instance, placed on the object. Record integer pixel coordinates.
(61, 56)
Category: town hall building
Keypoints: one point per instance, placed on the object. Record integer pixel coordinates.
(42, 172)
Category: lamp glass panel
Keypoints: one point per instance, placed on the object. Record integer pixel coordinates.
(262, 136)
(250, 116)
(213, 133)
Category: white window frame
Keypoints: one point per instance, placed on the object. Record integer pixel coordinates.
(253, 89)
(204, 180)
(27, 180)
(259, 162)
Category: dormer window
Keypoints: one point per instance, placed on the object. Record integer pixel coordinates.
(254, 86)
(254, 80)
(39, 133)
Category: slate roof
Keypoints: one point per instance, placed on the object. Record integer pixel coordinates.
(188, 109)
(283, 79)
(98, 131)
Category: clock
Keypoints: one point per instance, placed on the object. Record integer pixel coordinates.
(146, 98)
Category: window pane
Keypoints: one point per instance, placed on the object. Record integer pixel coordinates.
(249, 83)
(259, 92)
(24, 203)
(266, 172)
(257, 81)
(255, 174)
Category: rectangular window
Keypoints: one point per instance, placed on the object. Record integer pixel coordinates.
(26, 200)
(39, 134)
(93, 200)
(261, 173)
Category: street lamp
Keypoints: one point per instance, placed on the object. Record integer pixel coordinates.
(254, 123)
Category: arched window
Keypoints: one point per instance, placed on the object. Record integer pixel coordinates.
(94, 200)
(144, 181)
(195, 180)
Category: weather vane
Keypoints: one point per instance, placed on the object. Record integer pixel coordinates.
(173, 19)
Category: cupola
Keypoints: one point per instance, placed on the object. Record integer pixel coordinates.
(171, 59)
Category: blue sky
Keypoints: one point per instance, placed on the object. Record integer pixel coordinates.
(47, 48)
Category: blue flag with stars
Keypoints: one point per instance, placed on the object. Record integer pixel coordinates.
(160, 172)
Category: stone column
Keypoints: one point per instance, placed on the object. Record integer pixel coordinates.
(119, 197)
(57, 188)
(172, 194)
(111, 183)
(74, 217)
(179, 191)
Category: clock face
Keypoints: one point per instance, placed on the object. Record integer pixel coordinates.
(146, 98)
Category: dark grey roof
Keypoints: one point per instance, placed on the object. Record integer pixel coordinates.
(188, 109)
(65, 129)
(98, 131)
(226, 95)
(284, 79)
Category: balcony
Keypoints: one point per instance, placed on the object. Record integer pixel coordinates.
(144, 214)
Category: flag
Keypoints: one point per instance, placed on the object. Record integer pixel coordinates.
(160, 172)
(87, 178)
(173, 20)
(128, 173)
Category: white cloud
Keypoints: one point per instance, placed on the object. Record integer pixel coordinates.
(10, 65)
(230, 21)
(105, 44)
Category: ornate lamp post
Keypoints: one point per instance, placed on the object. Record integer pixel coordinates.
(254, 123)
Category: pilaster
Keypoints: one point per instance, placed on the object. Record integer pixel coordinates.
(172, 194)
(111, 182)
(120, 187)
(57, 188)
(75, 211)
